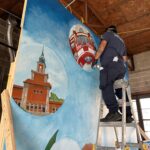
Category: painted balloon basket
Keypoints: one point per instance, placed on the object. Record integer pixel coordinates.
(82, 46)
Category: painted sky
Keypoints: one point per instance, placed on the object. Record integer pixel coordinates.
(52, 31)
(48, 22)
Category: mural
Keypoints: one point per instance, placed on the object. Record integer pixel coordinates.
(35, 96)
(54, 85)
(82, 46)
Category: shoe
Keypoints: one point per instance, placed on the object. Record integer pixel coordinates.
(112, 117)
(129, 119)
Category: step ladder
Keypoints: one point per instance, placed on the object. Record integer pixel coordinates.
(122, 144)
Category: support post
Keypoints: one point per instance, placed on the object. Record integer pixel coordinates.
(7, 121)
(2, 133)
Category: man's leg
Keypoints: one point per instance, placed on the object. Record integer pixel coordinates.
(109, 98)
(118, 93)
(107, 78)
(111, 103)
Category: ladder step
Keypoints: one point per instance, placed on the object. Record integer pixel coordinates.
(105, 148)
(120, 102)
(115, 124)
(120, 83)
(131, 144)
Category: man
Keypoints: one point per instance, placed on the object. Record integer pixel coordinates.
(112, 54)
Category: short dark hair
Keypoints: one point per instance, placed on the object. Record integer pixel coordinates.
(112, 28)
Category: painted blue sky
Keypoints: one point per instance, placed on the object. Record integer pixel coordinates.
(49, 23)
(52, 31)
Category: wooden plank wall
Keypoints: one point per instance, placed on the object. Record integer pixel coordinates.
(140, 78)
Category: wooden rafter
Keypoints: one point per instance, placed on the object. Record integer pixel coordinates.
(72, 10)
(86, 11)
(93, 11)
(97, 16)
(94, 25)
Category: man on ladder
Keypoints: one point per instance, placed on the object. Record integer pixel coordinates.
(112, 55)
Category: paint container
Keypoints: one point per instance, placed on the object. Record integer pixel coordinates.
(146, 145)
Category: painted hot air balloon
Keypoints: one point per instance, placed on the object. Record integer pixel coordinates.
(82, 46)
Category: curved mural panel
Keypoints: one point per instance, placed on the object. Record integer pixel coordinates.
(55, 99)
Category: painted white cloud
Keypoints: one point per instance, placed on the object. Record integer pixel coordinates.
(59, 38)
(66, 144)
(29, 53)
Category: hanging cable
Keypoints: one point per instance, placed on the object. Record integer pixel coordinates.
(70, 3)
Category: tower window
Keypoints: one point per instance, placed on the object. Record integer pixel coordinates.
(54, 109)
(18, 103)
(27, 107)
(43, 109)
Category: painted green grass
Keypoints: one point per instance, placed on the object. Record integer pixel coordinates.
(51, 141)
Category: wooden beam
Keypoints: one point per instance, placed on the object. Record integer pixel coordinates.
(8, 121)
(95, 25)
(141, 23)
(143, 133)
(73, 10)
(69, 4)
(86, 11)
(1, 133)
(8, 46)
(96, 14)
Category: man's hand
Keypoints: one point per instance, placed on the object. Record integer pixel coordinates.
(94, 63)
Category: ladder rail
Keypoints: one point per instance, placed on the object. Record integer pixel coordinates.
(123, 118)
(99, 115)
(117, 139)
(134, 117)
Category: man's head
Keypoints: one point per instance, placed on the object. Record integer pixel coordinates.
(112, 28)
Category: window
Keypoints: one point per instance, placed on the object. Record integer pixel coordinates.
(27, 107)
(54, 109)
(37, 92)
(135, 109)
(43, 109)
(145, 107)
(31, 106)
(82, 39)
(35, 106)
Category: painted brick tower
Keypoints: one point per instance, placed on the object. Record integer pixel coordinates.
(35, 95)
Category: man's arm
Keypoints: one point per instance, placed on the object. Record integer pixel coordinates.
(100, 49)
(125, 58)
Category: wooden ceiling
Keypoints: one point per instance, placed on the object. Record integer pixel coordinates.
(127, 15)
(132, 18)
(13, 6)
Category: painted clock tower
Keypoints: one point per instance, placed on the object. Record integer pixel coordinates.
(35, 96)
